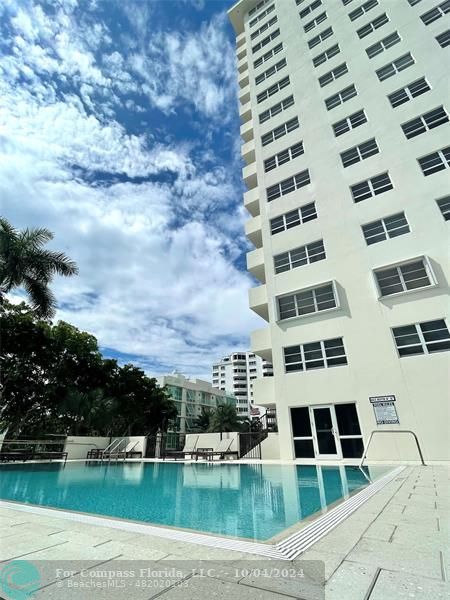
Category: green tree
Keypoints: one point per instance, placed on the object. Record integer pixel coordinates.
(24, 262)
(203, 421)
(225, 418)
(55, 380)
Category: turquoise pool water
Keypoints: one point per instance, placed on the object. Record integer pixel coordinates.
(248, 501)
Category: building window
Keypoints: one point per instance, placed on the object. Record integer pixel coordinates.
(332, 75)
(288, 185)
(321, 37)
(273, 89)
(372, 26)
(266, 40)
(321, 58)
(422, 338)
(437, 161)
(351, 122)
(312, 24)
(383, 45)
(315, 355)
(397, 65)
(341, 97)
(274, 69)
(276, 109)
(308, 9)
(412, 90)
(436, 13)
(299, 257)
(293, 218)
(359, 153)
(443, 39)
(371, 187)
(283, 157)
(264, 28)
(345, 2)
(425, 122)
(411, 275)
(444, 207)
(307, 302)
(257, 7)
(268, 55)
(280, 131)
(261, 16)
(363, 9)
(413, 2)
(386, 228)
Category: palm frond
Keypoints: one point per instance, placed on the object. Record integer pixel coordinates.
(42, 299)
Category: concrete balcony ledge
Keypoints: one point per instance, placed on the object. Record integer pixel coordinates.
(244, 94)
(247, 132)
(242, 65)
(253, 231)
(264, 391)
(240, 39)
(248, 151)
(251, 202)
(243, 79)
(255, 264)
(245, 112)
(257, 299)
(261, 343)
(249, 175)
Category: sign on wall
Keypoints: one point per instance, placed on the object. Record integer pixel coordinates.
(384, 409)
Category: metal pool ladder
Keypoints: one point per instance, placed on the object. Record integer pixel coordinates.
(392, 431)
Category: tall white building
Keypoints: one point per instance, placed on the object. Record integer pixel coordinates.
(345, 128)
(236, 374)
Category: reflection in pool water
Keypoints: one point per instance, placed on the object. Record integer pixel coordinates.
(250, 501)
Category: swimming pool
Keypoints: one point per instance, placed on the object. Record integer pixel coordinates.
(255, 502)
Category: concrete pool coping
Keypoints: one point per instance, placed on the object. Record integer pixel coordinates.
(288, 547)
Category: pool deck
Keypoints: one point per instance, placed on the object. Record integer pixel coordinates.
(396, 546)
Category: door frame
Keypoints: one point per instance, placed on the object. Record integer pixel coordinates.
(335, 431)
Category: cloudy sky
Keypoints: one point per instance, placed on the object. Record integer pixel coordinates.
(119, 131)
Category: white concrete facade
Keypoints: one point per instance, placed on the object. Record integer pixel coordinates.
(362, 318)
(236, 374)
(191, 396)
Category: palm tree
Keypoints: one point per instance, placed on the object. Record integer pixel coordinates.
(225, 418)
(25, 263)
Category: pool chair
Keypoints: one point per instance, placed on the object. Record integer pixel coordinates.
(111, 450)
(222, 450)
(129, 451)
(188, 450)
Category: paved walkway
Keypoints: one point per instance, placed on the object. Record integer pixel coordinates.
(396, 546)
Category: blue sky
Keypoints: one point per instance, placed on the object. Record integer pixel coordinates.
(119, 131)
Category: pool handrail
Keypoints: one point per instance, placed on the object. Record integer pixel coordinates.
(392, 431)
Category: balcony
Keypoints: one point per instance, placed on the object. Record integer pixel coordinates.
(248, 151)
(261, 343)
(244, 94)
(247, 133)
(250, 176)
(251, 202)
(245, 112)
(264, 391)
(255, 264)
(257, 300)
(243, 79)
(240, 39)
(242, 64)
(253, 231)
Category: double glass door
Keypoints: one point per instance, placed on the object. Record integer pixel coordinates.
(326, 431)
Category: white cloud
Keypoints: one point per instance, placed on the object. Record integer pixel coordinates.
(156, 256)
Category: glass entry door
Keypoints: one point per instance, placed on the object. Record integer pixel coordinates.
(326, 438)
